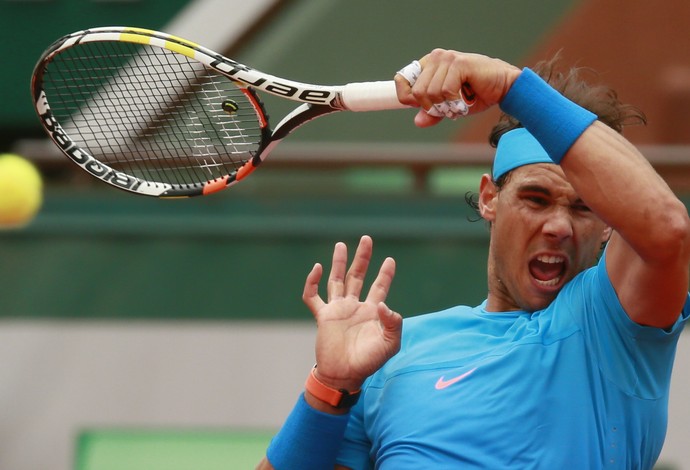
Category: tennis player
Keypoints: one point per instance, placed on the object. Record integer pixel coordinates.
(567, 362)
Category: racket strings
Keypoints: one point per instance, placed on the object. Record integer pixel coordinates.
(151, 113)
(101, 108)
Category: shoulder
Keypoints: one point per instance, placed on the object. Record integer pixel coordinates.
(590, 301)
(428, 339)
(437, 323)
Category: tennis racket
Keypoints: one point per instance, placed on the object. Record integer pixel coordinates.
(161, 116)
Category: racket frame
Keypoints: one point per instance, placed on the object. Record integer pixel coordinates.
(317, 100)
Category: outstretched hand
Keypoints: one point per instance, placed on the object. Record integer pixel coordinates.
(355, 337)
(445, 73)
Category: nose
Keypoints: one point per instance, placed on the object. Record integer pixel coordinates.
(559, 224)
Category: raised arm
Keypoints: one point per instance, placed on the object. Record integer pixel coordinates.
(355, 337)
(649, 253)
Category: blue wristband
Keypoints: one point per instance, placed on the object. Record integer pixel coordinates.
(309, 439)
(554, 120)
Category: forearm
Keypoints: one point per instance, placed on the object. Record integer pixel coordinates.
(299, 423)
(309, 439)
(623, 189)
(354, 339)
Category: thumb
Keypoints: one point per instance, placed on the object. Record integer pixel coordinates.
(424, 119)
(392, 325)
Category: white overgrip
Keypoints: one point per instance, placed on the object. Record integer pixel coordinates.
(371, 96)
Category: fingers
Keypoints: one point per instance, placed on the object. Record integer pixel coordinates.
(350, 283)
(381, 285)
(404, 90)
(358, 270)
(446, 77)
(425, 87)
(310, 295)
(432, 86)
(336, 278)
(341, 284)
(436, 83)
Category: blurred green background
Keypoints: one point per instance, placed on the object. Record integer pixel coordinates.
(133, 328)
(96, 253)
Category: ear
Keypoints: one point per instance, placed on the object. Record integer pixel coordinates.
(606, 235)
(488, 194)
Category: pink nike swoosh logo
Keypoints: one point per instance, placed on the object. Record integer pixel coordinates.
(442, 383)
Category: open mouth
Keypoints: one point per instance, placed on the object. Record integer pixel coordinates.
(547, 270)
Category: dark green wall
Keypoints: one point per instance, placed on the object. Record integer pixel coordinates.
(29, 27)
(106, 254)
(235, 255)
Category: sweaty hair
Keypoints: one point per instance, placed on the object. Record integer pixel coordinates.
(597, 98)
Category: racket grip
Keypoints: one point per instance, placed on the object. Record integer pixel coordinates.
(371, 96)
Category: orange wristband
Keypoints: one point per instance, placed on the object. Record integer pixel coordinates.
(336, 398)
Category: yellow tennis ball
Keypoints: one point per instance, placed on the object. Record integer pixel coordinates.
(21, 191)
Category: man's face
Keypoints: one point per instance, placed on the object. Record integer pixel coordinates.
(542, 235)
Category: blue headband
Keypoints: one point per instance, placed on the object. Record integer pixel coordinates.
(517, 148)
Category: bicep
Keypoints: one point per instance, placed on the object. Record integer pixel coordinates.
(652, 293)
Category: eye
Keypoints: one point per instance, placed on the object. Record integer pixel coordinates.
(537, 200)
(581, 208)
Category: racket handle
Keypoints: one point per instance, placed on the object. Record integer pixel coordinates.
(371, 96)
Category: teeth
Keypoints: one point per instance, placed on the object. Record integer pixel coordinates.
(549, 283)
(550, 259)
